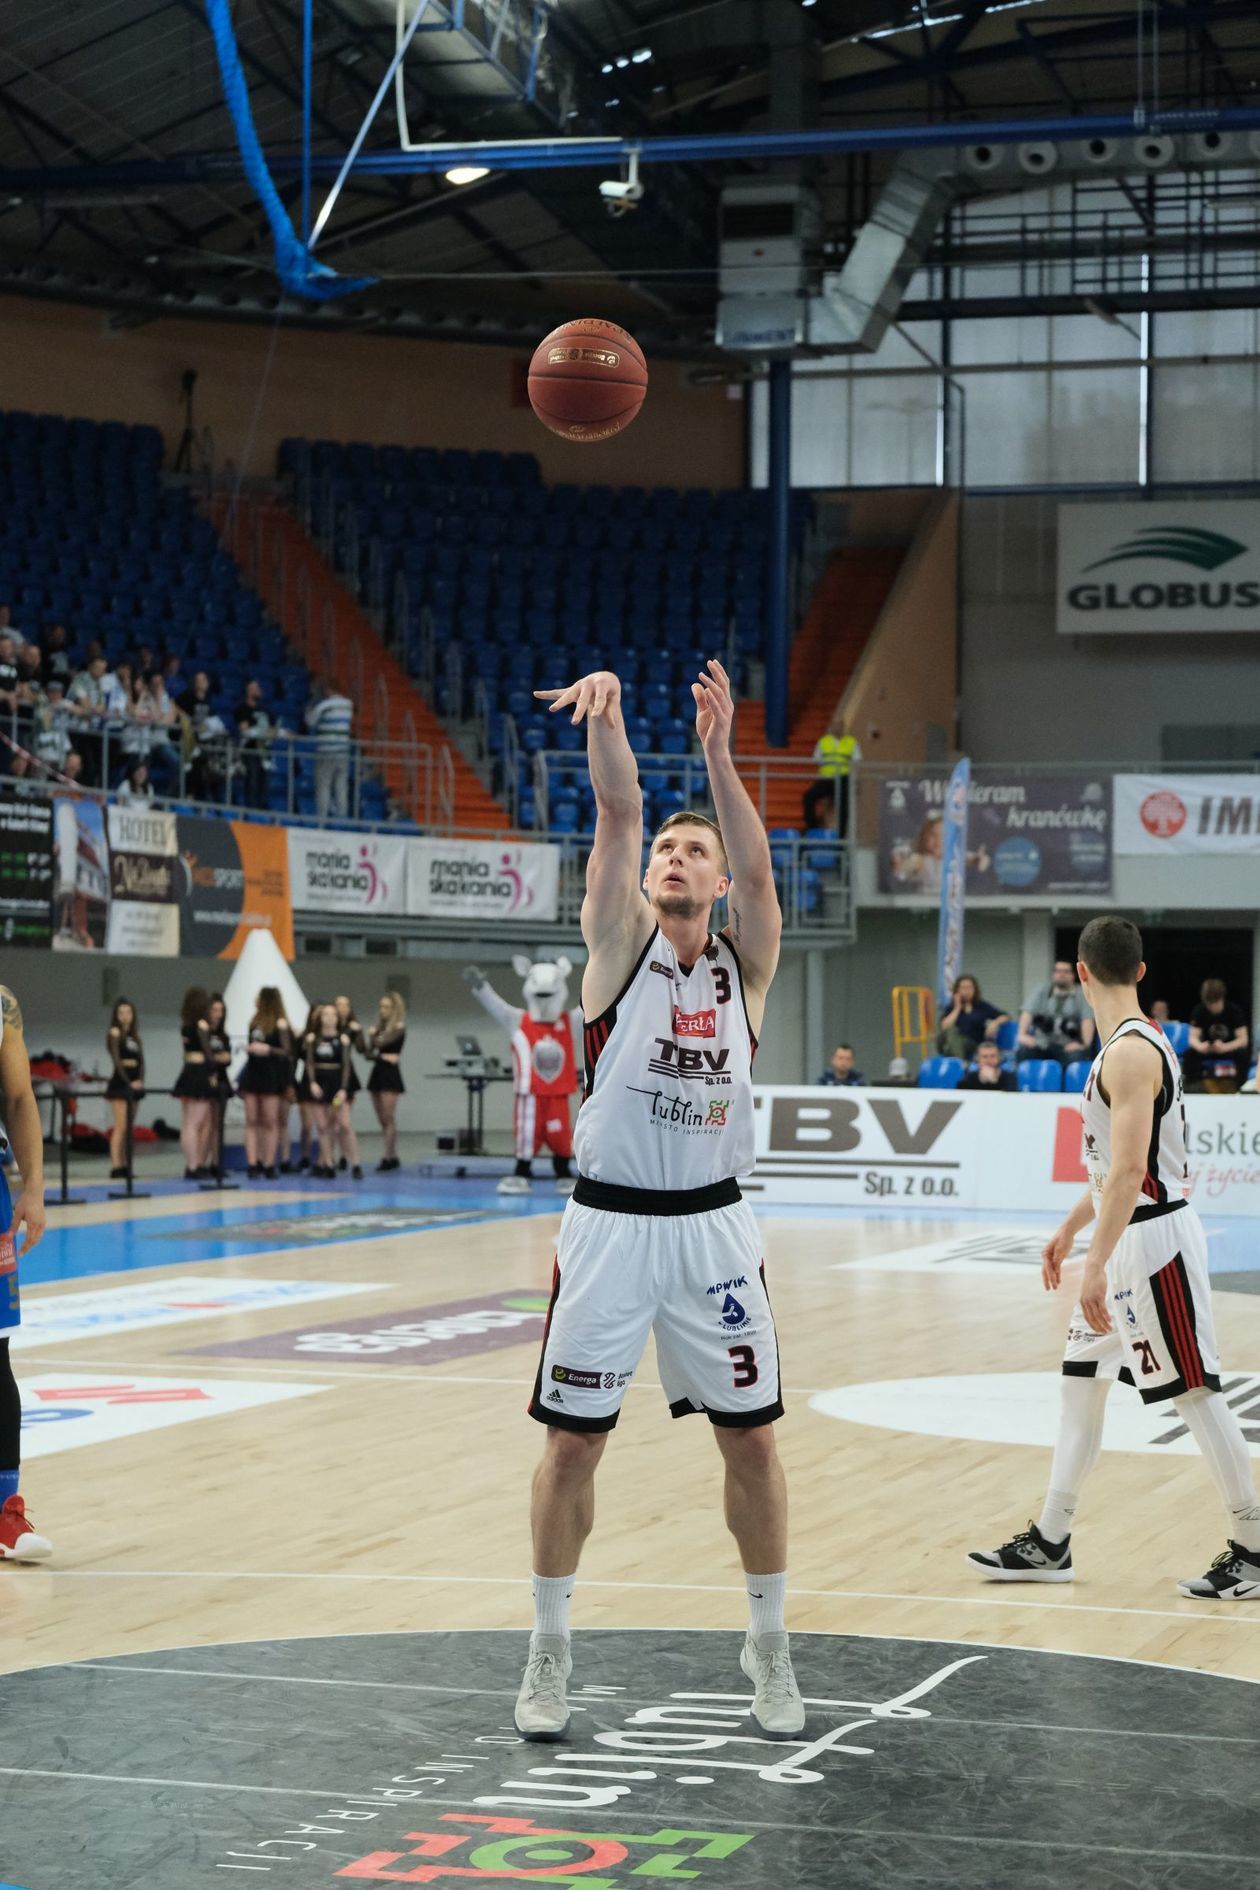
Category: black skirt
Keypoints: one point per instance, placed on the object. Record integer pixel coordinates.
(264, 1076)
(118, 1089)
(195, 1083)
(353, 1085)
(386, 1079)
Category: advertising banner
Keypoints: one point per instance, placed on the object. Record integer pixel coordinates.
(233, 879)
(1028, 833)
(1176, 566)
(949, 935)
(482, 879)
(347, 872)
(946, 1149)
(144, 895)
(80, 874)
(26, 870)
(1163, 814)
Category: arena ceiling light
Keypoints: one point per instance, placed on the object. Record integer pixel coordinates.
(467, 173)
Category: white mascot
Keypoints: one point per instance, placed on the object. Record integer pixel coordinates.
(544, 1035)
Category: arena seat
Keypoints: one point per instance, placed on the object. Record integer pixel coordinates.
(940, 1072)
(1178, 1036)
(1007, 1035)
(1076, 1076)
(1040, 1074)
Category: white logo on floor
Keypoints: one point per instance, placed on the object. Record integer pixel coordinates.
(56, 1318)
(62, 1410)
(1023, 1408)
(979, 1252)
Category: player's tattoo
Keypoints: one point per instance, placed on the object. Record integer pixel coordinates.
(10, 1010)
(735, 923)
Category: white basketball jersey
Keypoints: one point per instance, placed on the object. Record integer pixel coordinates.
(669, 1075)
(1165, 1178)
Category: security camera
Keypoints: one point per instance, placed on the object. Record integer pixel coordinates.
(621, 194)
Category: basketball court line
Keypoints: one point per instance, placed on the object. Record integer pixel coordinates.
(626, 1698)
(684, 1588)
(919, 1838)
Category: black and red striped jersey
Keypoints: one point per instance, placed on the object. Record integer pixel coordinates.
(1166, 1166)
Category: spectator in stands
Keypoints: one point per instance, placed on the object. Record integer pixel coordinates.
(1218, 1051)
(1159, 1012)
(87, 698)
(840, 1073)
(136, 789)
(1055, 1022)
(9, 676)
(30, 663)
(72, 774)
(173, 677)
(8, 627)
(254, 731)
(329, 718)
(204, 739)
(156, 717)
(21, 777)
(826, 801)
(987, 1072)
(970, 1020)
(57, 658)
(52, 717)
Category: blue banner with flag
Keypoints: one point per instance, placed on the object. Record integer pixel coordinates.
(949, 937)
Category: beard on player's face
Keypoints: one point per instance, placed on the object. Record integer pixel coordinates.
(677, 905)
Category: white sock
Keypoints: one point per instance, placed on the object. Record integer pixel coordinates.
(1082, 1405)
(766, 1596)
(552, 1594)
(1218, 1434)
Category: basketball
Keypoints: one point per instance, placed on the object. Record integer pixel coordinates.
(587, 380)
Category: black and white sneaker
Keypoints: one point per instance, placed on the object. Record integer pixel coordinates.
(1234, 1576)
(1027, 1557)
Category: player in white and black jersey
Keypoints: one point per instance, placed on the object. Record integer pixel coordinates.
(656, 1237)
(1145, 1307)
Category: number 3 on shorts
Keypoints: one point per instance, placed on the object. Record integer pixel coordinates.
(744, 1360)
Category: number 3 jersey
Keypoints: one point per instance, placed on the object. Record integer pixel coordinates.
(669, 1074)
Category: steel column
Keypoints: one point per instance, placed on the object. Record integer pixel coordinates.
(779, 568)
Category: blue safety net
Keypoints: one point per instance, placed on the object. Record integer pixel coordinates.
(295, 265)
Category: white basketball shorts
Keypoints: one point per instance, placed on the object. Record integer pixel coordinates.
(1163, 1338)
(696, 1281)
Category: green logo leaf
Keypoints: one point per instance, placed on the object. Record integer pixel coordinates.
(1183, 544)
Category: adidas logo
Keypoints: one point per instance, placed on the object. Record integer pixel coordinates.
(555, 1398)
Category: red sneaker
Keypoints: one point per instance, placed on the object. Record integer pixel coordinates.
(18, 1541)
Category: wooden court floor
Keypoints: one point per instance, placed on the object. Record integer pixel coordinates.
(393, 1497)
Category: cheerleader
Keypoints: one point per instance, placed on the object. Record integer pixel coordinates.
(126, 1084)
(264, 1081)
(195, 1083)
(385, 1042)
(219, 1055)
(308, 1136)
(326, 1054)
(350, 1026)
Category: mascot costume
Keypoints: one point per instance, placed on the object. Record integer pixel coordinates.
(544, 1036)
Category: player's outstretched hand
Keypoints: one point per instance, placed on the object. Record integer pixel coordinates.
(597, 696)
(715, 707)
(1053, 1254)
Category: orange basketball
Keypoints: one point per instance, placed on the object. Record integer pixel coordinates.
(587, 380)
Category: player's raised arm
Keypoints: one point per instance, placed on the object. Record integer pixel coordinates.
(613, 900)
(756, 922)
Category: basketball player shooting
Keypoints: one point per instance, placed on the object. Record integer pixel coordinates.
(656, 1237)
(1145, 1307)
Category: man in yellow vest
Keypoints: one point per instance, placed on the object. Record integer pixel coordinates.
(835, 756)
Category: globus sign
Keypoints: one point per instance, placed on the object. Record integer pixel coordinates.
(1186, 565)
(945, 1150)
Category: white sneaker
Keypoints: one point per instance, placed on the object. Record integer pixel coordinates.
(513, 1184)
(542, 1711)
(778, 1712)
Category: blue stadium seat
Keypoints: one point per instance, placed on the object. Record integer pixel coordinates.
(1178, 1036)
(1076, 1076)
(1040, 1075)
(940, 1073)
(1007, 1035)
